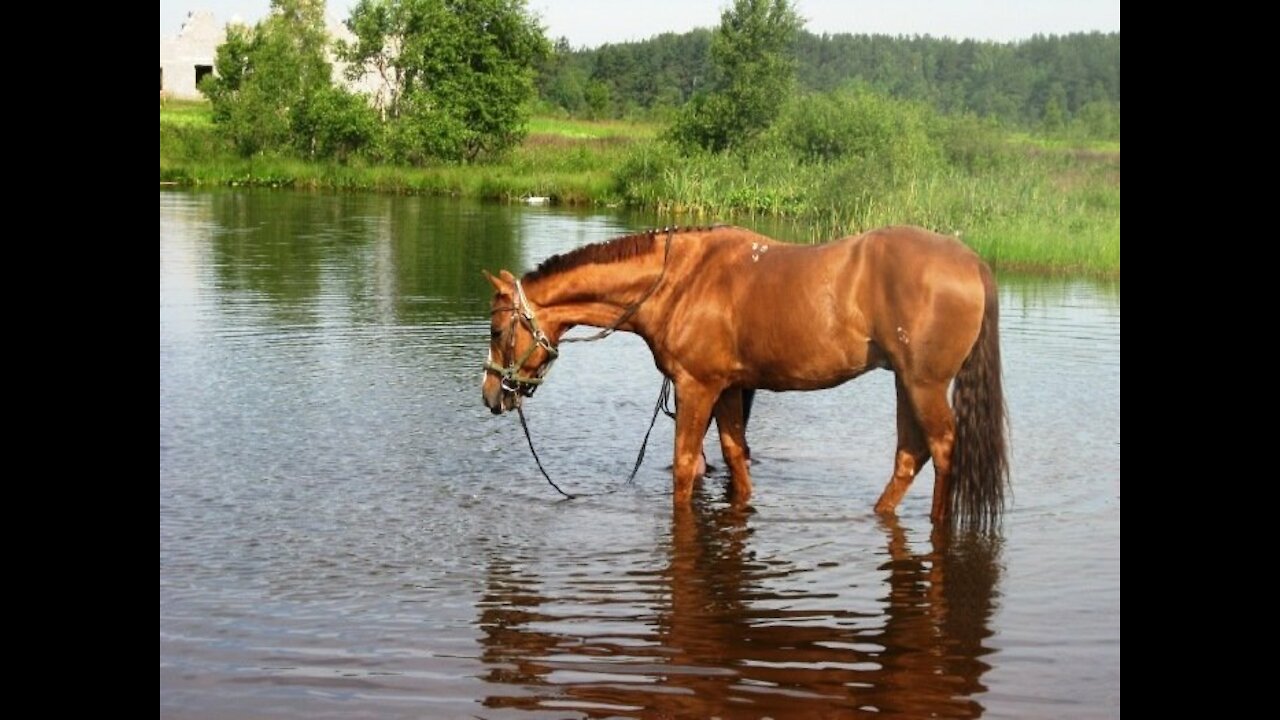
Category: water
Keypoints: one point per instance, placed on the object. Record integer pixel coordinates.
(345, 531)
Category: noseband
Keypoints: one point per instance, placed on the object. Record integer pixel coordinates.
(513, 380)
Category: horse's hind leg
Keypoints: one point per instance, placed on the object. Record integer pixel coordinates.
(938, 422)
(748, 398)
(913, 451)
(733, 441)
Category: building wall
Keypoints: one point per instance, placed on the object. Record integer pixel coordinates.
(197, 43)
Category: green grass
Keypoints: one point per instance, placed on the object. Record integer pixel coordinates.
(1049, 212)
(1044, 205)
(1064, 143)
(592, 129)
(186, 113)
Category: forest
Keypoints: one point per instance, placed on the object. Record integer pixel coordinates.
(1047, 81)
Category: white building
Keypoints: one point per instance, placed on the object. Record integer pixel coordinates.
(187, 58)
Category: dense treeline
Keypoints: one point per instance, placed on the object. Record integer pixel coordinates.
(629, 79)
(1046, 81)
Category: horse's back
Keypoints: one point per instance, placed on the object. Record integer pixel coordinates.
(901, 297)
(904, 251)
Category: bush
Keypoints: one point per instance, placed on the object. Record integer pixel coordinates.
(857, 123)
(1097, 120)
(334, 123)
(971, 143)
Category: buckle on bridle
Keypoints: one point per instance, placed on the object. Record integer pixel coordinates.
(521, 389)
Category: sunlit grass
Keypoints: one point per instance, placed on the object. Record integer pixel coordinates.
(592, 129)
(186, 113)
(1064, 142)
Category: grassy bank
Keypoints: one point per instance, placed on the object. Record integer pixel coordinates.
(1057, 212)
(568, 162)
(1022, 202)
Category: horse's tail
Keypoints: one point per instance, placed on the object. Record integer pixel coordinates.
(980, 460)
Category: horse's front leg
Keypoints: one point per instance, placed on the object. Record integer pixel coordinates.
(733, 441)
(693, 411)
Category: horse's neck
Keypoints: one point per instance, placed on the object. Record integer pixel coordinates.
(596, 294)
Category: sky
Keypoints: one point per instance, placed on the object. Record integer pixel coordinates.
(590, 23)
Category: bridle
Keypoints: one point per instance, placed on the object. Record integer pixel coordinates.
(510, 375)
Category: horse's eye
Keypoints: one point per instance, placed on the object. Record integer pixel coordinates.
(495, 334)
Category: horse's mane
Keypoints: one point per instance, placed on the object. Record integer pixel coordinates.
(607, 251)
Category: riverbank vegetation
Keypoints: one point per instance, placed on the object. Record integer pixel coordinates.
(1040, 194)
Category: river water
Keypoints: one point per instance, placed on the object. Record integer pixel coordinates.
(345, 531)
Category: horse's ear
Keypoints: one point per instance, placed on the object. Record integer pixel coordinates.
(507, 276)
(501, 284)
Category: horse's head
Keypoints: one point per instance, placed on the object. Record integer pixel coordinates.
(520, 350)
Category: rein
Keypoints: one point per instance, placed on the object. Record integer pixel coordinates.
(661, 405)
(525, 385)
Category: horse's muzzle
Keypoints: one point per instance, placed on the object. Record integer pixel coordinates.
(497, 398)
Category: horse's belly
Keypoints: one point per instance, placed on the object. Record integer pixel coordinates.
(789, 384)
(816, 370)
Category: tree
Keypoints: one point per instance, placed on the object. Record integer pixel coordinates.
(753, 55)
(273, 82)
(374, 51)
(457, 73)
(1054, 117)
(596, 96)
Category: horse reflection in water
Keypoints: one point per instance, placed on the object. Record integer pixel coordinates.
(711, 635)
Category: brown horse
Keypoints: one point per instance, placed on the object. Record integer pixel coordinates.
(724, 309)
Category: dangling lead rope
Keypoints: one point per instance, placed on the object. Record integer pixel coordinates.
(663, 396)
(527, 436)
(662, 400)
